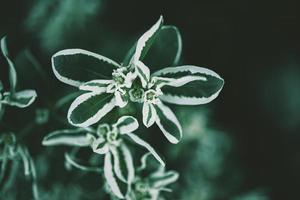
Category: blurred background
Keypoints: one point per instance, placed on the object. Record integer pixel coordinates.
(245, 145)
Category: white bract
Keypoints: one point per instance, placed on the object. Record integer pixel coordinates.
(108, 84)
(110, 141)
(11, 150)
(20, 99)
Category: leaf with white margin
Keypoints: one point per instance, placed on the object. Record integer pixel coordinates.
(126, 124)
(165, 50)
(192, 86)
(163, 179)
(143, 73)
(89, 108)
(146, 145)
(20, 99)
(149, 114)
(121, 100)
(146, 40)
(71, 137)
(12, 71)
(168, 123)
(123, 163)
(109, 176)
(77, 66)
(95, 85)
(69, 160)
(98, 145)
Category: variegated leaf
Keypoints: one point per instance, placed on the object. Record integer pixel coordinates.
(20, 99)
(77, 66)
(165, 50)
(11, 70)
(149, 114)
(123, 163)
(143, 73)
(146, 145)
(192, 85)
(127, 124)
(163, 179)
(146, 40)
(95, 85)
(168, 123)
(89, 108)
(71, 161)
(109, 176)
(70, 137)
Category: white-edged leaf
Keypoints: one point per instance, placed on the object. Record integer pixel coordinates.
(109, 176)
(168, 123)
(146, 40)
(192, 85)
(163, 179)
(123, 164)
(146, 145)
(143, 73)
(99, 144)
(165, 50)
(127, 124)
(149, 114)
(121, 101)
(77, 66)
(89, 108)
(20, 99)
(70, 137)
(12, 71)
(72, 162)
(95, 85)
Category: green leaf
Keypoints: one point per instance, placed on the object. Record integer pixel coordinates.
(71, 161)
(109, 176)
(146, 40)
(77, 66)
(20, 99)
(149, 114)
(168, 123)
(12, 71)
(123, 163)
(165, 50)
(192, 85)
(70, 137)
(89, 108)
(95, 85)
(146, 145)
(160, 180)
(126, 124)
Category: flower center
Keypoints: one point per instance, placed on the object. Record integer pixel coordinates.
(151, 96)
(136, 94)
(112, 136)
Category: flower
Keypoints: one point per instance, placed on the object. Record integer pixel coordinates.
(19, 99)
(110, 141)
(12, 150)
(150, 185)
(108, 84)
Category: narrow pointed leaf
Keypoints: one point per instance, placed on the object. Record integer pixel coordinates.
(77, 66)
(146, 40)
(127, 124)
(72, 162)
(143, 73)
(109, 176)
(95, 85)
(149, 114)
(20, 99)
(12, 71)
(168, 123)
(70, 137)
(192, 86)
(89, 108)
(165, 50)
(146, 145)
(164, 179)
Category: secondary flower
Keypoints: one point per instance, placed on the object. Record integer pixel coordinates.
(110, 141)
(20, 99)
(149, 185)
